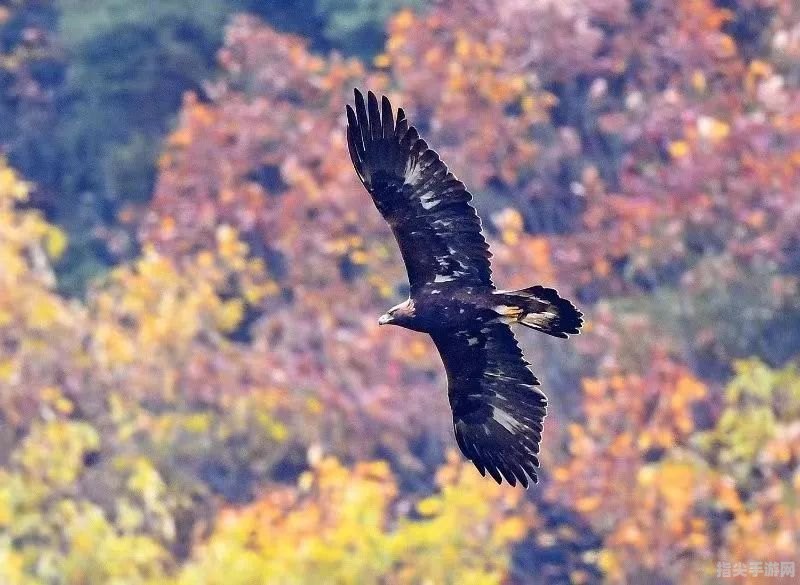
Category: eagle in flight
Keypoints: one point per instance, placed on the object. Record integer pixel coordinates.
(497, 408)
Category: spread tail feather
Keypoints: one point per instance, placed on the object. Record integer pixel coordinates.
(540, 308)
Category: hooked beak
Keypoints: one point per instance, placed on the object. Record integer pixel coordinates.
(385, 319)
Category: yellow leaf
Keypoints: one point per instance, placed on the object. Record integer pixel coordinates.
(7, 370)
(760, 68)
(587, 503)
(511, 529)
(510, 237)
(305, 481)
(11, 185)
(678, 149)
(359, 257)
(230, 315)
(278, 431)
(699, 81)
(63, 405)
(429, 506)
(690, 388)
(712, 129)
(727, 46)
(528, 104)
(608, 562)
(55, 242)
(314, 405)
(698, 540)
(646, 476)
(205, 259)
(43, 313)
(417, 349)
(561, 474)
(228, 242)
(403, 19)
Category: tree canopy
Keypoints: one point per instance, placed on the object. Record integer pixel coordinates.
(193, 386)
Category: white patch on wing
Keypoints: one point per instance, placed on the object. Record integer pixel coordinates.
(507, 310)
(472, 341)
(413, 172)
(443, 278)
(507, 421)
(458, 257)
(428, 201)
(498, 375)
(539, 319)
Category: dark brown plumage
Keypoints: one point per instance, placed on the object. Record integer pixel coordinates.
(498, 410)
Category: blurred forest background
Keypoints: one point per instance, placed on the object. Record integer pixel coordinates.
(193, 386)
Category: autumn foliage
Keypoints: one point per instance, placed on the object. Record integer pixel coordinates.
(223, 408)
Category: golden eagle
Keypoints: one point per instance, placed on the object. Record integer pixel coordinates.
(497, 409)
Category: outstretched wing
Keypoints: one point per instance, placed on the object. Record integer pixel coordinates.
(428, 209)
(497, 409)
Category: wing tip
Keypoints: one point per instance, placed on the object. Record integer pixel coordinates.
(376, 112)
(512, 471)
(377, 136)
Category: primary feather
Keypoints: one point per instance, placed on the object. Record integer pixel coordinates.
(427, 208)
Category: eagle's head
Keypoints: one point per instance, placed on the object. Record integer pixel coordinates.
(402, 314)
